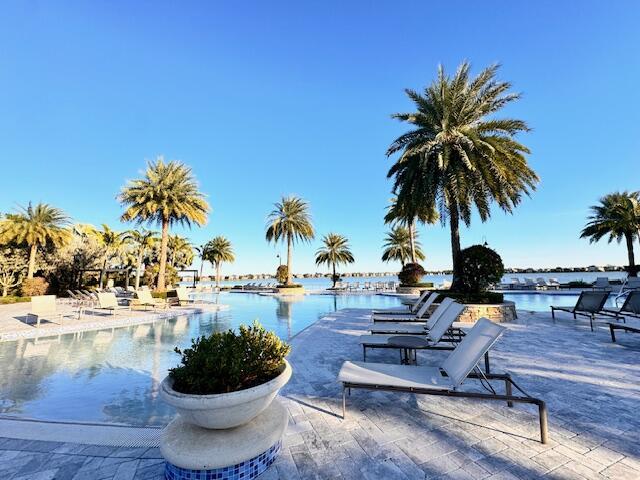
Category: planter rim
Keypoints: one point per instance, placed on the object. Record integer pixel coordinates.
(201, 402)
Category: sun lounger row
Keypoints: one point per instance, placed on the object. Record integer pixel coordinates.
(448, 378)
(592, 304)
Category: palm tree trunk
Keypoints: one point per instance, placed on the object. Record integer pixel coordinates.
(289, 263)
(32, 261)
(138, 268)
(632, 260)
(454, 224)
(163, 255)
(103, 271)
(333, 278)
(412, 240)
(217, 274)
(201, 267)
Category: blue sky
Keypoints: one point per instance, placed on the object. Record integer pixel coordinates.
(270, 98)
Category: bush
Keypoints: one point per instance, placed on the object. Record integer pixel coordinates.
(411, 274)
(282, 274)
(291, 285)
(150, 277)
(480, 267)
(10, 299)
(228, 361)
(579, 284)
(32, 287)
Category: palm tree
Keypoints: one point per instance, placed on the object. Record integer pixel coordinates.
(200, 251)
(217, 251)
(290, 221)
(167, 194)
(142, 241)
(397, 246)
(112, 243)
(36, 226)
(407, 214)
(618, 216)
(180, 251)
(335, 251)
(457, 155)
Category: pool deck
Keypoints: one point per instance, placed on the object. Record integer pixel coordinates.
(591, 386)
(14, 326)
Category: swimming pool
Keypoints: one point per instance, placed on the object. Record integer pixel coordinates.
(113, 376)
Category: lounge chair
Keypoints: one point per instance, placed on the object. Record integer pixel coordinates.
(183, 298)
(589, 304)
(144, 299)
(44, 306)
(108, 301)
(628, 326)
(440, 333)
(630, 284)
(630, 307)
(602, 283)
(412, 328)
(415, 312)
(444, 380)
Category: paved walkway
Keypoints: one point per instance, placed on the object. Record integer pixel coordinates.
(591, 385)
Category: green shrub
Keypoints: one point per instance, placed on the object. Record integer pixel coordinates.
(9, 299)
(292, 285)
(480, 298)
(480, 267)
(411, 274)
(32, 287)
(419, 285)
(228, 361)
(282, 273)
(578, 284)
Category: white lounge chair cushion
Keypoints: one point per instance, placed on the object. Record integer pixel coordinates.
(389, 375)
(399, 327)
(422, 312)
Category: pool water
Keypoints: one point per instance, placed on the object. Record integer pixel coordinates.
(113, 375)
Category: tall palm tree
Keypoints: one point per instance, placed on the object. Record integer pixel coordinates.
(36, 226)
(335, 251)
(217, 251)
(457, 155)
(408, 213)
(397, 246)
(142, 242)
(290, 221)
(112, 243)
(167, 194)
(618, 216)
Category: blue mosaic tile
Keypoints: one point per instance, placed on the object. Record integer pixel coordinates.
(242, 471)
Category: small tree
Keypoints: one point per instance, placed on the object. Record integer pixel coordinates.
(411, 274)
(480, 267)
(13, 266)
(282, 273)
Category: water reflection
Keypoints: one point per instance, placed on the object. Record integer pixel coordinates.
(113, 375)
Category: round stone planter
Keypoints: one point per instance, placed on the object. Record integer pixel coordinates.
(290, 291)
(411, 290)
(224, 410)
(497, 312)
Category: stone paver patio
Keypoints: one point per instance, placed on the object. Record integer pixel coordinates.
(591, 386)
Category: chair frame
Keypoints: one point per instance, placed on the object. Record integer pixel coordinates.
(573, 310)
(508, 397)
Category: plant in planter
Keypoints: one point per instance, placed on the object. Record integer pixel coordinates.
(282, 273)
(480, 267)
(227, 378)
(411, 274)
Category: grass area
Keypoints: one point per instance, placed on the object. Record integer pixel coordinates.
(11, 299)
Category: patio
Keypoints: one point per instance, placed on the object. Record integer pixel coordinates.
(591, 386)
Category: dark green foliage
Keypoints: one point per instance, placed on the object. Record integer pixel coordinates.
(335, 278)
(228, 361)
(282, 273)
(10, 299)
(480, 267)
(291, 285)
(411, 274)
(470, 298)
(578, 284)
